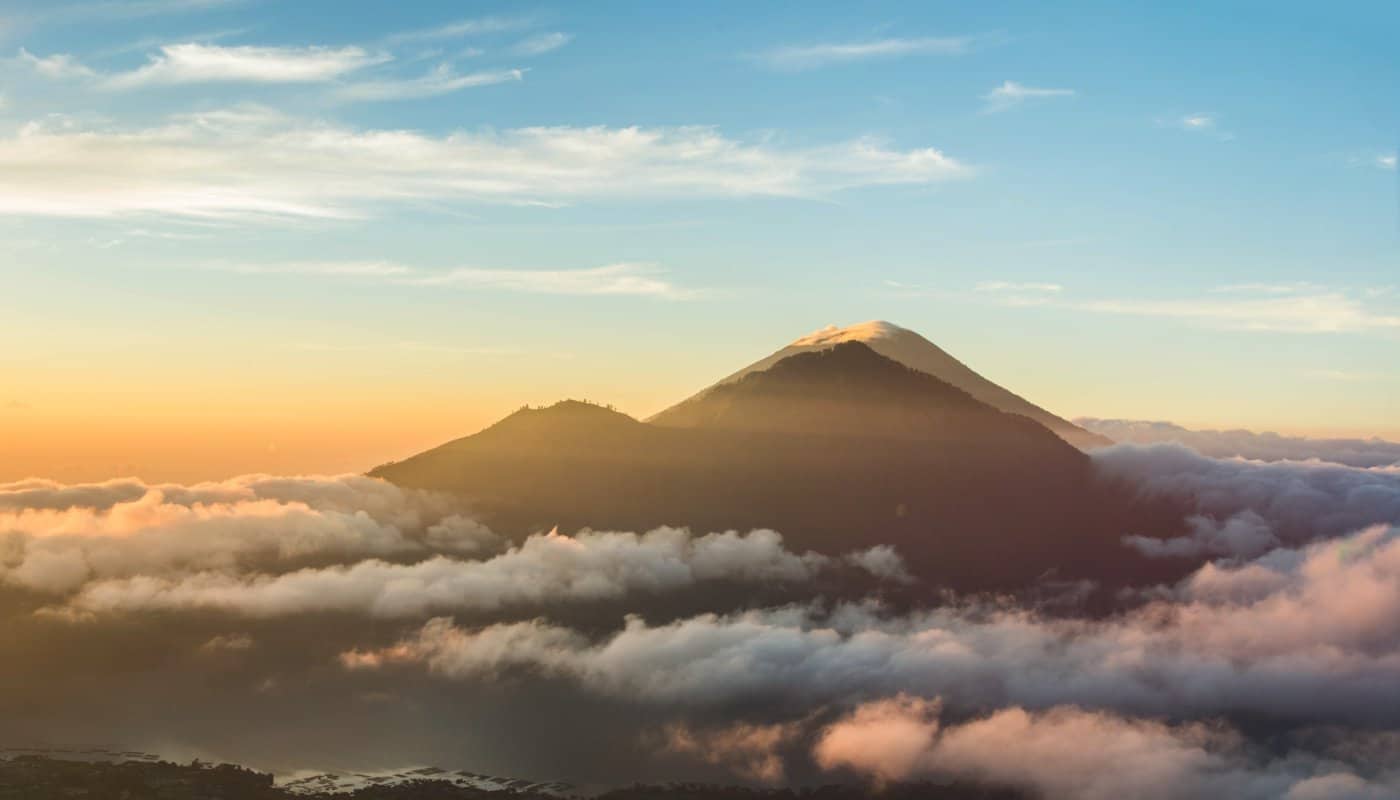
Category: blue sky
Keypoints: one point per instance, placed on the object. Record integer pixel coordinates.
(1113, 210)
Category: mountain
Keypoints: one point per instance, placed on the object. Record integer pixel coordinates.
(836, 448)
(913, 351)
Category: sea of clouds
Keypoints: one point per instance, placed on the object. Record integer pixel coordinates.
(343, 622)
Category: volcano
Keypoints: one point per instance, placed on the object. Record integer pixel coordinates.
(910, 349)
(834, 445)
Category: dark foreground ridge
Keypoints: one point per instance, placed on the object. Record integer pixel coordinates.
(42, 778)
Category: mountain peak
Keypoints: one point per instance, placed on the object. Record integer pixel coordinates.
(859, 332)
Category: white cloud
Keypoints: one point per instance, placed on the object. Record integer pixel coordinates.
(60, 66)
(545, 569)
(1315, 311)
(613, 279)
(542, 43)
(1296, 308)
(610, 279)
(1308, 636)
(817, 55)
(56, 538)
(202, 63)
(1201, 122)
(1011, 94)
(1013, 286)
(1386, 161)
(461, 28)
(1197, 122)
(1265, 446)
(252, 163)
(1299, 500)
(441, 80)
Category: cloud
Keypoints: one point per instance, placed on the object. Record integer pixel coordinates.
(1299, 502)
(546, 569)
(56, 538)
(253, 164)
(1072, 754)
(1248, 444)
(207, 63)
(461, 28)
(1011, 94)
(1200, 122)
(1019, 293)
(542, 43)
(1308, 636)
(441, 80)
(1245, 534)
(747, 750)
(1294, 308)
(1197, 122)
(611, 279)
(1386, 161)
(60, 66)
(819, 55)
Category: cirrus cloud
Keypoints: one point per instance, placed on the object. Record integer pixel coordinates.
(253, 163)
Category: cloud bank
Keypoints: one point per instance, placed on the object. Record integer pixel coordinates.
(1309, 635)
(1248, 444)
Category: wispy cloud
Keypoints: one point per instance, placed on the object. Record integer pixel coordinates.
(1291, 308)
(460, 29)
(797, 57)
(1320, 311)
(1012, 286)
(635, 279)
(132, 9)
(1386, 161)
(1011, 94)
(441, 80)
(543, 43)
(254, 164)
(60, 66)
(1202, 122)
(202, 63)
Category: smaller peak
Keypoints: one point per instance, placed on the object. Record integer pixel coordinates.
(860, 332)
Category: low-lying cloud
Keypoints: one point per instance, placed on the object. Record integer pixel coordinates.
(1244, 507)
(1248, 444)
(545, 569)
(1066, 753)
(1311, 635)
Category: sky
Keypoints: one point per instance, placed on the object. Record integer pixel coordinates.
(244, 236)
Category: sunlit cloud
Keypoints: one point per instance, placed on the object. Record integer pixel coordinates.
(1326, 311)
(1011, 94)
(203, 63)
(610, 279)
(1295, 308)
(797, 57)
(253, 163)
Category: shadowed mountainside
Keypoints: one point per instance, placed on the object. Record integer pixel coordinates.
(837, 449)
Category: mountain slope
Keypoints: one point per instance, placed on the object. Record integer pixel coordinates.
(911, 350)
(837, 450)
